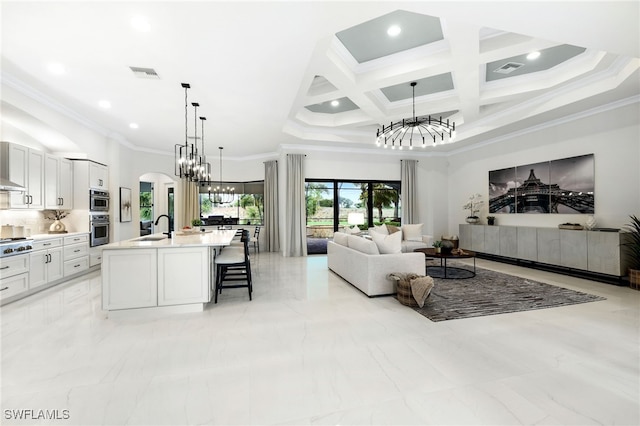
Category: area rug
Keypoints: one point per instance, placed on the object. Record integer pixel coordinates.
(491, 293)
(317, 245)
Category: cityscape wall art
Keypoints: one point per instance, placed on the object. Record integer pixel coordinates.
(564, 186)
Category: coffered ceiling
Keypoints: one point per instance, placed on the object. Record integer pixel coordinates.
(266, 74)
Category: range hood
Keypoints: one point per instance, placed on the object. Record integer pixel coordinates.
(7, 185)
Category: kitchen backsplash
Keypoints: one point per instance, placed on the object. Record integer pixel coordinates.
(31, 219)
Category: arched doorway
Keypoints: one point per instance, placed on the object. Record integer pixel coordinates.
(157, 192)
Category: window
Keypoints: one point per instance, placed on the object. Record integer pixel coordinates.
(244, 207)
(329, 203)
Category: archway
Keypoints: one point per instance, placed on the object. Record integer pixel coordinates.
(157, 195)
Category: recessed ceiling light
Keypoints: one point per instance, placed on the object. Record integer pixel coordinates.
(133, 125)
(533, 55)
(104, 104)
(335, 103)
(394, 30)
(56, 68)
(141, 24)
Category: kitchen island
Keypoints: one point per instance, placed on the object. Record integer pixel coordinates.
(157, 273)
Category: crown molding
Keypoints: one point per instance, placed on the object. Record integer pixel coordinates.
(552, 123)
(49, 102)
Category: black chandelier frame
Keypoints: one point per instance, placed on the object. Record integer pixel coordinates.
(425, 128)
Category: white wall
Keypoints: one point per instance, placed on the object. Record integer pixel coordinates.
(614, 139)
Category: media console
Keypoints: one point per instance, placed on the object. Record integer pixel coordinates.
(594, 254)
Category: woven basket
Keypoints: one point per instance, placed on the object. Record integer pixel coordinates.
(403, 288)
(634, 279)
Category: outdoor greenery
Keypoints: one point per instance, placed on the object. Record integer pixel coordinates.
(146, 206)
(320, 203)
(383, 196)
(245, 206)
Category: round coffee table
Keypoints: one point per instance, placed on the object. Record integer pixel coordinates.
(448, 272)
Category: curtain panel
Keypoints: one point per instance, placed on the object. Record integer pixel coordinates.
(296, 211)
(409, 193)
(190, 205)
(271, 214)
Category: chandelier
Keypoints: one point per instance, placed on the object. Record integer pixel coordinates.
(221, 195)
(191, 163)
(416, 130)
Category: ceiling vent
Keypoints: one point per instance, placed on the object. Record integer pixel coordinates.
(145, 72)
(508, 68)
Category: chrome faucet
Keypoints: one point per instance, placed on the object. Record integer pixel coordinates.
(168, 234)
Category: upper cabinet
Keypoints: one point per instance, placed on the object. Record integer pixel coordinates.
(58, 183)
(25, 167)
(98, 176)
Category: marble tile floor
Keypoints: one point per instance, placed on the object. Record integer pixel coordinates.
(311, 349)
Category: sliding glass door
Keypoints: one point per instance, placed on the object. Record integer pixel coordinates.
(319, 196)
(334, 204)
(352, 204)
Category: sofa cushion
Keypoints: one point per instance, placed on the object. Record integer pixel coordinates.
(412, 232)
(340, 238)
(380, 229)
(388, 244)
(362, 244)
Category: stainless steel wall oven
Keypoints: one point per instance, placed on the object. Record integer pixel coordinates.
(99, 229)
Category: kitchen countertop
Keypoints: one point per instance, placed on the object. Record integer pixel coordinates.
(49, 236)
(215, 238)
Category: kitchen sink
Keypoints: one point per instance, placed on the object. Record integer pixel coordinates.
(153, 238)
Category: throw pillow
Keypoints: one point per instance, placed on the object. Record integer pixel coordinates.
(388, 244)
(380, 229)
(362, 245)
(392, 229)
(412, 232)
(340, 238)
(352, 231)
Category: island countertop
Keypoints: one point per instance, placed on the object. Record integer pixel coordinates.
(213, 238)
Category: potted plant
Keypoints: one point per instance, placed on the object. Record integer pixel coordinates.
(473, 205)
(437, 245)
(633, 250)
(491, 220)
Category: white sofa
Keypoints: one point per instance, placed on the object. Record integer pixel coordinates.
(412, 237)
(354, 259)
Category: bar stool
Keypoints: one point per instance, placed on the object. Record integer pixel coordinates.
(256, 240)
(234, 265)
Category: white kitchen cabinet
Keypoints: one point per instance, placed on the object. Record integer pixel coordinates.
(98, 176)
(183, 276)
(76, 254)
(129, 279)
(58, 183)
(13, 286)
(75, 266)
(45, 266)
(26, 168)
(14, 275)
(14, 265)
